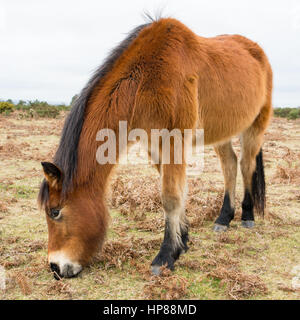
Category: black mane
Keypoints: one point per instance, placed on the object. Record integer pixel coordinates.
(66, 154)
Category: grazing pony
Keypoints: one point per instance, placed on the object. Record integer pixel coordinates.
(162, 76)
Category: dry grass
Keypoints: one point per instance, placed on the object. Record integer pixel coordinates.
(61, 288)
(239, 285)
(138, 195)
(166, 286)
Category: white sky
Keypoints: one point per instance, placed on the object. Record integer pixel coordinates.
(49, 49)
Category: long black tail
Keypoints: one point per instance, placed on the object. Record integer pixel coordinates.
(258, 185)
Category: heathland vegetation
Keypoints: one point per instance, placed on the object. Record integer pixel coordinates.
(241, 264)
(262, 263)
(42, 109)
(289, 113)
(33, 109)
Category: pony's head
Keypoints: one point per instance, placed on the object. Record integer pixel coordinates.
(76, 223)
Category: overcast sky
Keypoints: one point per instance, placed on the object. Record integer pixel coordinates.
(49, 49)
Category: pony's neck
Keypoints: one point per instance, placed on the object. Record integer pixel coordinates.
(90, 172)
(113, 103)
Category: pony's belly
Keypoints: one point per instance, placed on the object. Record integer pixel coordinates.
(226, 116)
(220, 127)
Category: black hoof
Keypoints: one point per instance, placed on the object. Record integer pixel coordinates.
(248, 224)
(219, 228)
(156, 267)
(156, 270)
(163, 258)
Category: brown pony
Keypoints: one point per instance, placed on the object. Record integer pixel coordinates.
(161, 76)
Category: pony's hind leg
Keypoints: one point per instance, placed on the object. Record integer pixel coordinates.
(176, 226)
(253, 175)
(228, 161)
(252, 167)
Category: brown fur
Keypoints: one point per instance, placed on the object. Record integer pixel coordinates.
(168, 77)
(229, 167)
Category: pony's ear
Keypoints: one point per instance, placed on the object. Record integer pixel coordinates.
(52, 174)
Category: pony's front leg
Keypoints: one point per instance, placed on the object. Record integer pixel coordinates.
(176, 226)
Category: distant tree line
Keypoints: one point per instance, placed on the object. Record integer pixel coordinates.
(36, 108)
(289, 113)
(43, 109)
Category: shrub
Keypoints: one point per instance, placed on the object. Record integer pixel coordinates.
(294, 114)
(31, 109)
(63, 107)
(47, 111)
(6, 107)
(290, 113)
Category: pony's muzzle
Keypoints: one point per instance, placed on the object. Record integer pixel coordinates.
(55, 269)
(62, 267)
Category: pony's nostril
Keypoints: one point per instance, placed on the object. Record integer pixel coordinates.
(54, 267)
(62, 266)
(68, 272)
(56, 272)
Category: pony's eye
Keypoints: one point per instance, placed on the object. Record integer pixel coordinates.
(55, 214)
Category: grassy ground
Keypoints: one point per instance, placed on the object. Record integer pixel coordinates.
(240, 264)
